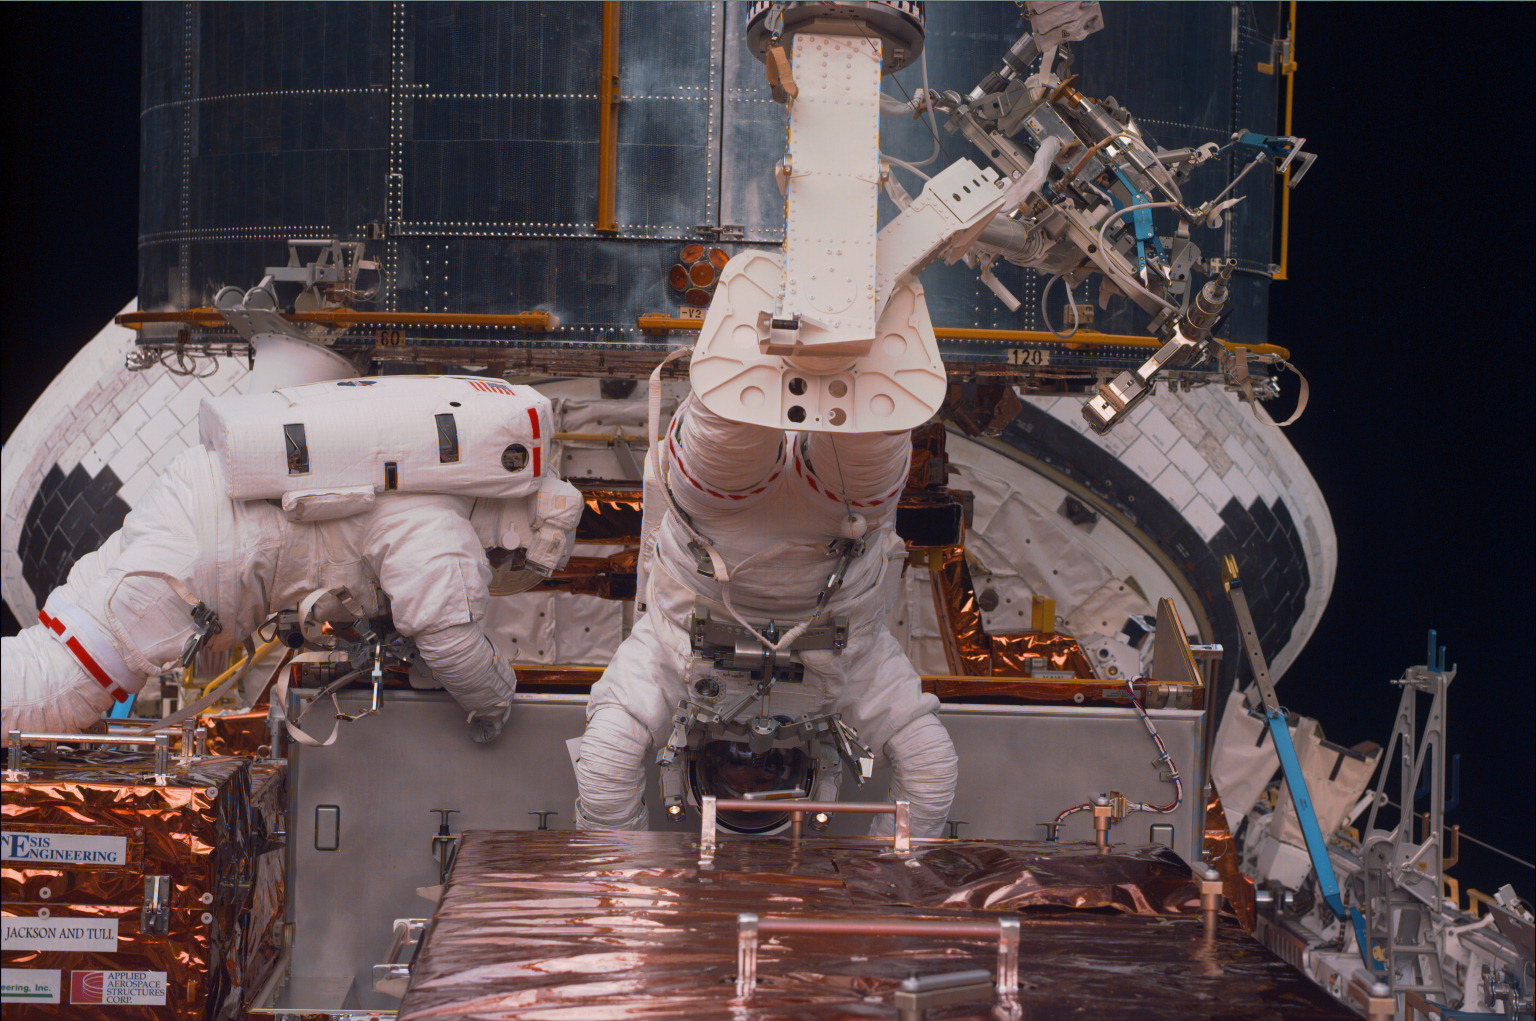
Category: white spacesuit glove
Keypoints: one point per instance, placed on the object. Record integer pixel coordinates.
(556, 512)
(485, 724)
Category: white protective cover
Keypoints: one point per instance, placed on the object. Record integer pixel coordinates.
(896, 386)
(352, 427)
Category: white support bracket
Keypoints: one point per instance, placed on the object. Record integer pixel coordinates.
(897, 385)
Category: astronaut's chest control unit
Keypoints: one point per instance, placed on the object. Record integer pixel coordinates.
(141, 884)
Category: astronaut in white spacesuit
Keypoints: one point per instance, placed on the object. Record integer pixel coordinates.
(125, 612)
(776, 510)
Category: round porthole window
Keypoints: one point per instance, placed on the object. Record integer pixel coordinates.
(515, 457)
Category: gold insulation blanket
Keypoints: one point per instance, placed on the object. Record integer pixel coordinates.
(601, 927)
(199, 830)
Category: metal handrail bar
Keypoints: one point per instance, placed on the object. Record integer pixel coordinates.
(16, 738)
(1005, 929)
(710, 806)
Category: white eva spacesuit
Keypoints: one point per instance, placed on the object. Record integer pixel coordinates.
(770, 502)
(125, 611)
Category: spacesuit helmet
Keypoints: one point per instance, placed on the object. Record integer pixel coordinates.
(730, 769)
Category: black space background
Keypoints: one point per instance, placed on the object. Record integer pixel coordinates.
(1409, 308)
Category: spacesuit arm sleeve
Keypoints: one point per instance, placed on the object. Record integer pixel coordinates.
(861, 467)
(715, 460)
(430, 563)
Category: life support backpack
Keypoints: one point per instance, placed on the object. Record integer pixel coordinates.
(327, 449)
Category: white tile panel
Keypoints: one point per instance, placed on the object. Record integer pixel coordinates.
(1184, 420)
(1215, 454)
(1240, 487)
(1210, 486)
(1175, 487)
(159, 430)
(1199, 513)
(230, 373)
(162, 457)
(1187, 459)
(104, 448)
(93, 461)
(1145, 459)
(139, 481)
(1240, 455)
(73, 451)
(101, 422)
(185, 404)
(160, 391)
(129, 458)
(1267, 490)
(127, 425)
(1156, 425)
(133, 386)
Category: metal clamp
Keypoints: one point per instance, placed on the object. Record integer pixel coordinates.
(161, 743)
(155, 915)
(901, 841)
(206, 623)
(394, 974)
(750, 927)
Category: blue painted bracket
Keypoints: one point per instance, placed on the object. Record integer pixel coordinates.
(1317, 846)
(124, 709)
(1363, 941)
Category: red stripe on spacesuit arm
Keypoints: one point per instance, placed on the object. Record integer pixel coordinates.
(726, 460)
(91, 667)
(867, 470)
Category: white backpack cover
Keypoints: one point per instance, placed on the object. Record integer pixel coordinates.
(326, 449)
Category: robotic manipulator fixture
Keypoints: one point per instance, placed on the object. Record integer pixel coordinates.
(835, 334)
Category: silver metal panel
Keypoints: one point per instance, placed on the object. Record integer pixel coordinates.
(468, 132)
(386, 773)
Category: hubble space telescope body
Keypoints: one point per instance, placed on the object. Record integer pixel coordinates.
(1038, 236)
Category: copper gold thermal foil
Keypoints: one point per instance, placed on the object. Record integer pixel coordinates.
(83, 835)
(608, 926)
(265, 910)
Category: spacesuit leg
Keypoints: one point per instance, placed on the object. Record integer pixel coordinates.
(925, 773)
(629, 706)
(47, 691)
(610, 771)
(881, 696)
(47, 687)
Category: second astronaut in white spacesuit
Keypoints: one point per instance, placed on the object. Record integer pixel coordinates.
(773, 505)
(124, 613)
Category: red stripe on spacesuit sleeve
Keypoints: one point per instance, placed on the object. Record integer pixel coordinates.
(533, 416)
(52, 624)
(537, 467)
(677, 459)
(73, 645)
(816, 484)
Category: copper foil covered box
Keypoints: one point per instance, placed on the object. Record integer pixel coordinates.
(126, 898)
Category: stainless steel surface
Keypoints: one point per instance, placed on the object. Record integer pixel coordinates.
(384, 776)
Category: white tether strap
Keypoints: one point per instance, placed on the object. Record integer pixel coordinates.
(280, 699)
(1301, 401)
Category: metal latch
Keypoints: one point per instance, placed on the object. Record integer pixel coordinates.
(445, 843)
(208, 625)
(155, 917)
(394, 974)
